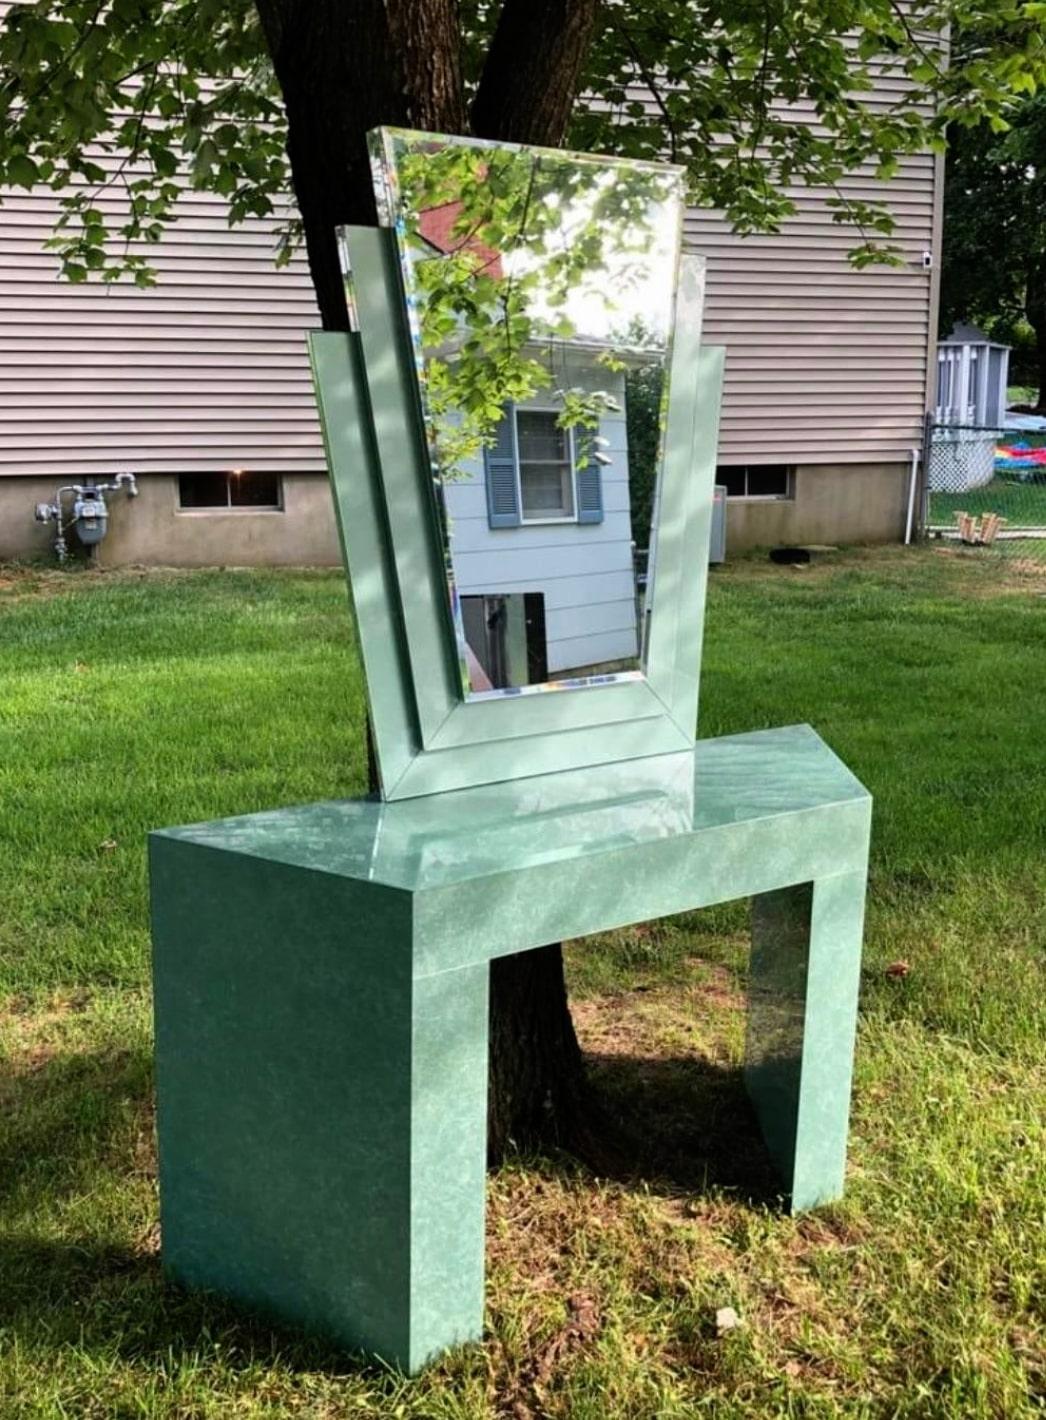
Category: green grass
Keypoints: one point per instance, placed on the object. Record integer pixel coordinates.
(133, 700)
(1021, 504)
(1021, 394)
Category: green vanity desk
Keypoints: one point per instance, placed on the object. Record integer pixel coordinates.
(321, 1008)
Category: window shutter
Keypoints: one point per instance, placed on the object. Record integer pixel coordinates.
(499, 460)
(590, 493)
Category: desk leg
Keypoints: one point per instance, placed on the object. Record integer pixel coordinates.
(448, 1163)
(802, 1018)
(321, 1113)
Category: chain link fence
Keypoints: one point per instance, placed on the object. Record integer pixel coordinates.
(986, 491)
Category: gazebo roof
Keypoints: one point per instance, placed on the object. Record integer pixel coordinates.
(963, 334)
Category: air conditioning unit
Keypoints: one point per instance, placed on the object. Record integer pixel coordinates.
(717, 544)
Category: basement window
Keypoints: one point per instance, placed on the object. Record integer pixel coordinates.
(238, 489)
(757, 480)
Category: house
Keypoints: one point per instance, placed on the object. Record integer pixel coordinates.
(534, 533)
(201, 386)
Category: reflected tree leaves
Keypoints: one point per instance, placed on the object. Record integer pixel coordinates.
(540, 287)
(512, 254)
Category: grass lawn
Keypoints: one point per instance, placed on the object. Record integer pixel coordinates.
(134, 700)
(1021, 504)
(1021, 394)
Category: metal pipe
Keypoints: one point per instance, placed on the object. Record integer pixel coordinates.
(911, 497)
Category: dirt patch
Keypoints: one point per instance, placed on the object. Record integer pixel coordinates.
(43, 582)
(26, 1019)
(648, 1021)
(143, 1153)
(993, 573)
(523, 1398)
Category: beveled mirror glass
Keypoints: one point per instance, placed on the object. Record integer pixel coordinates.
(540, 291)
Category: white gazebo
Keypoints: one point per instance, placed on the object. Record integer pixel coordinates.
(972, 374)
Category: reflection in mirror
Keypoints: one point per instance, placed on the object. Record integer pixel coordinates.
(540, 287)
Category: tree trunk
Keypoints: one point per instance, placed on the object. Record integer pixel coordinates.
(533, 72)
(1035, 310)
(536, 1073)
(345, 69)
(426, 36)
(340, 77)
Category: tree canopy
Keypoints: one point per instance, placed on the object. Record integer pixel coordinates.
(254, 101)
(995, 231)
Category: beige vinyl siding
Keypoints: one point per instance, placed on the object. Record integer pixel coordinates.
(207, 371)
(825, 363)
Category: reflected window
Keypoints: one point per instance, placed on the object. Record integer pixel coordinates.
(546, 466)
(235, 488)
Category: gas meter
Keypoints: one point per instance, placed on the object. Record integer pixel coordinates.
(88, 517)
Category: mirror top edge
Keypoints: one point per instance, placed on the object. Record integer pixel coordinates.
(384, 134)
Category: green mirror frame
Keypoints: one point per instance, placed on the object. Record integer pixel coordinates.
(427, 737)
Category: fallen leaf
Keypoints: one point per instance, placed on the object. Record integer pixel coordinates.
(726, 1319)
(898, 969)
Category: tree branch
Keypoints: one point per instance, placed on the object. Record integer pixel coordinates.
(650, 80)
(534, 70)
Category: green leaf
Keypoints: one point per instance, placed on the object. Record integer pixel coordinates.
(22, 171)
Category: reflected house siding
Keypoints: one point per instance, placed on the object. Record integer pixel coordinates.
(584, 572)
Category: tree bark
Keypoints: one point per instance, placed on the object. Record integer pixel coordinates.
(340, 77)
(1035, 310)
(533, 72)
(536, 1071)
(426, 35)
(345, 68)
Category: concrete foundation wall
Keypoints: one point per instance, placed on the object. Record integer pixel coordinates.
(854, 503)
(151, 528)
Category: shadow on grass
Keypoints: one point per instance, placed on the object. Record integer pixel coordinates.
(78, 1126)
(114, 1301)
(692, 1124)
(83, 1123)
(66, 1116)
(682, 1125)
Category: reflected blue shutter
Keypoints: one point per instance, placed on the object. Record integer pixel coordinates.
(590, 493)
(499, 460)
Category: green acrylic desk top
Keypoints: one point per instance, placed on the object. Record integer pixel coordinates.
(437, 842)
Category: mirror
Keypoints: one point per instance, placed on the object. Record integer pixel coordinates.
(540, 289)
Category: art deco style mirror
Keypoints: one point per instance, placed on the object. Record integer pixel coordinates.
(522, 446)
